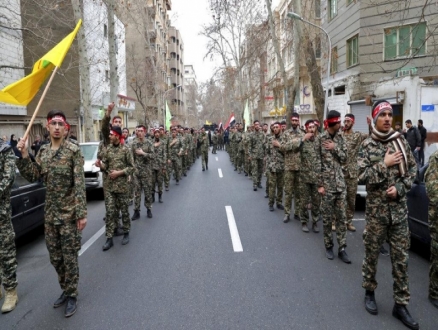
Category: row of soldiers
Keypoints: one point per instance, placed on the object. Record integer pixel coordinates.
(320, 170)
(145, 163)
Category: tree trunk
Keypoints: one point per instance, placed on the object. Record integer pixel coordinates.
(296, 51)
(84, 73)
(315, 81)
(114, 77)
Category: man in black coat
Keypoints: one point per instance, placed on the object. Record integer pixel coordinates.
(423, 134)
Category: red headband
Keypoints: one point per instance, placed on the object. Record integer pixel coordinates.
(308, 124)
(115, 133)
(349, 118)
(58, 118)
(380, 107)
(331, 121)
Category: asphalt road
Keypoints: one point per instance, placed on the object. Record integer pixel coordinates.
(180, 269)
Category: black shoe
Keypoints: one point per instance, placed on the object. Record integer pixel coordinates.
(329, 253)
(280, 207)
(344, 256)
(235, 169)
(136, 215)
(185, 174)
(383, 251)
(434, 302)
(70, 308)
(177, 182)
(286, 219)
(108, 244)
(370, 302)
(401, 312)
(203, 169)
(206, 166)
(255, 188)
(149, 213)
(167, 188)
(160, 199)
(153, 198)
(246, 174)
(60, 301)
(271, 208)
(266, 196)
(125, 239)
(259, 186)
(296, 217)
(118, 231)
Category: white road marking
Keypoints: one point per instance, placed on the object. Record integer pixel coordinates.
(235, 238)
(220, 173)
(91, 240)
(358, 219)
(217, 159)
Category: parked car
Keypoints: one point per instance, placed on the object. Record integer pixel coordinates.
(27, 201)
(418, 205)
(93, 175)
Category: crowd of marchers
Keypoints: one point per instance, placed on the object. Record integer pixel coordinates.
(320, 168)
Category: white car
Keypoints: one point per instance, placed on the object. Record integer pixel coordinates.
(93, 175)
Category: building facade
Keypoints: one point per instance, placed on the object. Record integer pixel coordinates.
(176, 74)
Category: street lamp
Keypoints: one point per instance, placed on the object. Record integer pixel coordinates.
(293, 15)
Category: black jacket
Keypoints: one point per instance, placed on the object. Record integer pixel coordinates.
(423, 134)
(414, 138)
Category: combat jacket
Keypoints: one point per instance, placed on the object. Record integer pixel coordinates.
(256, 145)
(204, 142)
(143, 163)
(353, 142)
(160, 156)
(214, 139)
(309, 171)
(7, 173)
(176, 148)
(377, 177)
(117, 158)
(275, 157)
(290, 144)
(329, 162)
(62, 172)
(431, 179)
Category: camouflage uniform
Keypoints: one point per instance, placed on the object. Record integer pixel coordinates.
(256, 152)
(232, 146)
(237, 150)
(386, 219)
(353, 141)
(310, 198)
(143, 172)
(62, 171)
(275, 170)
(431, 179)
(100, 151)
(159, 162)
(8, 257)
(166, 175)
(291, 141)
(245, 143)
(214, 139)
(330, 176)
(175, 151)
(118, 158)
(204, 149)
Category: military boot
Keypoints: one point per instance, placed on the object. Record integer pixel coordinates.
(401, 312)
(136, 215)
(125, 239)
(160, 200)
(153, 197)
(60, 301)
(11, 300)
(370, 302)
(149, 214)
(108, 244)
(71, 306)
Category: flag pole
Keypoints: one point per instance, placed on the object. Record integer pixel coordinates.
(29, 127)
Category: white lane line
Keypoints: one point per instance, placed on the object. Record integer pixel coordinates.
(358, 219)
(91, 240)
(235, 238)
(217, 159)
(220, 173)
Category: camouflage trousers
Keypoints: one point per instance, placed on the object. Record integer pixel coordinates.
(143, 184)
(194, 155)
(105, 181)
(204, 155)
(247, 165)
(291, 190)
(118, 203)
(351, 184)
(166, 175)
(176, 167)
(310, 200)
(184, 164)
(63, 243)
(8, 254)
(275, 182)
(333, 207)
(213, 151)
(377, 231)
(238, 159)
(433, 271)
(157, 180)
(257, 171)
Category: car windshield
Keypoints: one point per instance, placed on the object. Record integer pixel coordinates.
(89, 151)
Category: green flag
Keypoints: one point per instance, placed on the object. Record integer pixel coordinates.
(168, 116)
(246, 117)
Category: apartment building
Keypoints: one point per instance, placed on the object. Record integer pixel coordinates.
(190, 96)
(176, 74)
(383, 50)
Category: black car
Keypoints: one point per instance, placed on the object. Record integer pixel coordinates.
(418, 205)
(27, 200)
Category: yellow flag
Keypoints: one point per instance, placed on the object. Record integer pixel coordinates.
(24, 90)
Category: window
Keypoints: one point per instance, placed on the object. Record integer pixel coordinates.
(334, 60)
(317, 8)
(353, 51)
(332, 9)
(105, 31)
(405, 41)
